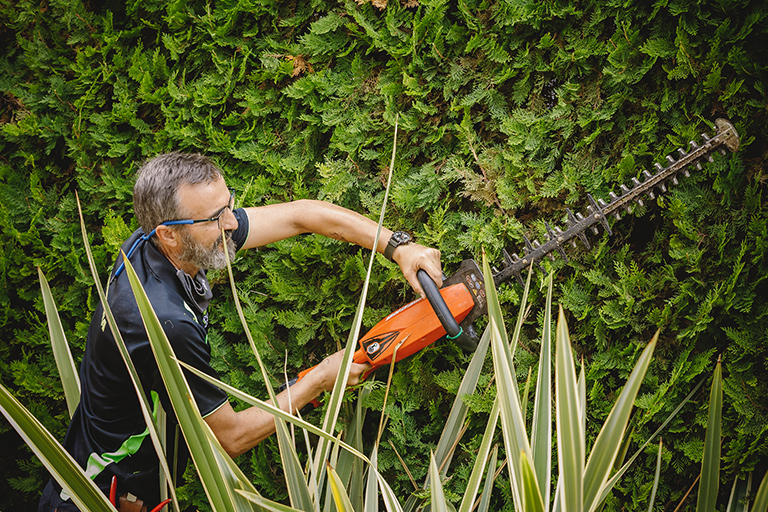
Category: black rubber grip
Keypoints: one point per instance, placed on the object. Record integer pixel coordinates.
(452, 328)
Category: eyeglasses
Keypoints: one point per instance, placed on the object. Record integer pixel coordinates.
(143, 238)
(217, 219)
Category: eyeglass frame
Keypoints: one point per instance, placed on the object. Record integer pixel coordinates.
(217, 218)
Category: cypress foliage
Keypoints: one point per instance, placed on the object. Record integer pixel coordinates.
(510, 111)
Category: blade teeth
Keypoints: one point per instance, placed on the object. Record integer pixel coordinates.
(507, 259)
(602, 203)
(624, 189)
(674, 180)
(706, 138)
(573, 242)
(647, 175)
(709, 158)
(722, 151)
(663, 187)
(617, 215)
(628, 208)
(528, 247)
(640, 202)
(686, 173)
(651, 194)
(658, 166)
(682, 152)
(635, 182)
(670, 159)
(595, 230)
(579, 216)
(693, 145)
(613, 196)
(698, 166)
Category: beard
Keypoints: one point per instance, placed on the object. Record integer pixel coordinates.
(204, 257)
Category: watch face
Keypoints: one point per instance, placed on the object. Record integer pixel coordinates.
(399, 238)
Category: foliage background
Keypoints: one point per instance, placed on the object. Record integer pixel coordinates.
(509, 112)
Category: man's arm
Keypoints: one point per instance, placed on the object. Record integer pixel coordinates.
(238, 432)
(275, 222)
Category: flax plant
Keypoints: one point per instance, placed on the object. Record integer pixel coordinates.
(61, 352)
(228, 489)
(583, 481)
(349, 479)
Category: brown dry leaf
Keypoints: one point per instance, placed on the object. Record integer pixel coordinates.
(380, 4)
(410, 3)
(300, 65)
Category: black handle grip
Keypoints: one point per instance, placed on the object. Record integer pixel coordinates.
(452, 328)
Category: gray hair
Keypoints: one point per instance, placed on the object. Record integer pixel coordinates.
(156, 192)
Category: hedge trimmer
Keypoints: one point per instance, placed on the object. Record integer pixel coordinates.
(451, 310)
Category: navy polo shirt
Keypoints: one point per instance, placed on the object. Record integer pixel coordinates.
(107, 435)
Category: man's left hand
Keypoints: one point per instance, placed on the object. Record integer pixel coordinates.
(412, 257)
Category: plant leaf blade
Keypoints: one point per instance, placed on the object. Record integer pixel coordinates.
(61, 352)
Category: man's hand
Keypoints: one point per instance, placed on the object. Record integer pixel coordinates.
(328, 369)
(412, 257)
(238, 432)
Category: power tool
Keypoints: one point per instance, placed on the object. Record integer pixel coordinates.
(451, 310)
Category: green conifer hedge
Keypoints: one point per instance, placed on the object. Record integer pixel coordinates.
(509, 112)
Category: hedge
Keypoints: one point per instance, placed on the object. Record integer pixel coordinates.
(509, 112)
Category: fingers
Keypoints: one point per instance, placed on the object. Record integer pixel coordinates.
(413, 257)
(356, 373)
(331, 365)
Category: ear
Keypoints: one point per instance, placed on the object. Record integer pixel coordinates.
(168, 237)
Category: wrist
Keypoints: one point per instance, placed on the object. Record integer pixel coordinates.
(398, 239)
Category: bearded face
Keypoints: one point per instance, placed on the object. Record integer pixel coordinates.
(206, 257)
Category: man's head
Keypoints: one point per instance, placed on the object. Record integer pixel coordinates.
(156, 192)
(180, 186)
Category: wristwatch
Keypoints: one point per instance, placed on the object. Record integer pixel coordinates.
(397, 239)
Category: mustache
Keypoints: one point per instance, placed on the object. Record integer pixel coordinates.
(219, 240)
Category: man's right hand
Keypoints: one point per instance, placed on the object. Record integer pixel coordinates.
(329, 367)
(240, 431)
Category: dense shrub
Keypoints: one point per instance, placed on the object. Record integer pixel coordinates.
(508, 111)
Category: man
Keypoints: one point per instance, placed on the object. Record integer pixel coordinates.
(182, 202)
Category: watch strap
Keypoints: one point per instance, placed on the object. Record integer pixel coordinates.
(397, 239)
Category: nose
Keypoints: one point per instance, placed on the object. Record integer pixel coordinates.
(228, 220)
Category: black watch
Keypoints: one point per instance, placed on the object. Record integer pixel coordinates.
(397, 239)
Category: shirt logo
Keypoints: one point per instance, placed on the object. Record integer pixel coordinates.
(188, 308)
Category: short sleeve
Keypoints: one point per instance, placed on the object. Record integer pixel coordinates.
(240, 235)
(190, 345)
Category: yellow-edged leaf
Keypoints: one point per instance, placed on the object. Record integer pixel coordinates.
(144, 405)
(761, 498)
(61, 353)
(54, 457)
(438, 503)
(340, 497)
(512, 423)
(570, 435)
(656, 478)
(532, 501)
(541, 429)
(608, 443)
(217, 486)
(473, 484)
(710, 463)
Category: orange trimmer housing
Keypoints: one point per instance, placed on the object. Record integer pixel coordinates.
(415, 325)
(411, 328)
